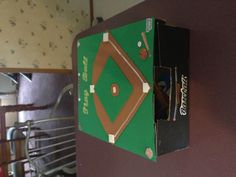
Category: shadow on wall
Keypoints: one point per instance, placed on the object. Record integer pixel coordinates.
(115, 7)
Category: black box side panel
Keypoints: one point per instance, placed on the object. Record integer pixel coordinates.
(174, 52)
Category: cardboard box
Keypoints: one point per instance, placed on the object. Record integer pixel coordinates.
(133, 87)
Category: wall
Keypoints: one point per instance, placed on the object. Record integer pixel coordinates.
(212, 97)
(39, 34)
(109, 8)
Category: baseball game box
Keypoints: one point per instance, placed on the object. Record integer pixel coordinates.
(133, 87)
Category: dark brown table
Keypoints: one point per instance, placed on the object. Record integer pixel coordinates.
(212, 96)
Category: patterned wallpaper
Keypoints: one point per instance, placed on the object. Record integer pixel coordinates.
(39, 33)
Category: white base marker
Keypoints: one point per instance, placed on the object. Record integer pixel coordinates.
(92, 89)
(105, 37)
(146, 87)
(111, 139)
